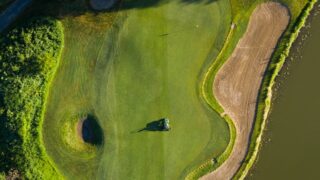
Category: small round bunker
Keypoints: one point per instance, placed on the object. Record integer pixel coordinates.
(90, 131)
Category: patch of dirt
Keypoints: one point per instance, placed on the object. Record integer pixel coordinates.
(13, 174)
(102, 4)
(236, 85)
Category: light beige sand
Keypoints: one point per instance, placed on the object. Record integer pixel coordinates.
(79, 127)
(236, 85)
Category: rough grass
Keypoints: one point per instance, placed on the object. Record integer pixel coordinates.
(73, 139)
(28, 60)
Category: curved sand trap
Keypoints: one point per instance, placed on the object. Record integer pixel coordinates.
(102, 4)
(237, 83)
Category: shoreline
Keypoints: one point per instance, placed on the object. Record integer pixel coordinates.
(289, 72)
(265, 93)
(264, 104)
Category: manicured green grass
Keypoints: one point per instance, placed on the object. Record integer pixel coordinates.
(147, 66)
(28, 59)
(129, 68)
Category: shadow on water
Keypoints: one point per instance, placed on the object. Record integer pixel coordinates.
(91, 131)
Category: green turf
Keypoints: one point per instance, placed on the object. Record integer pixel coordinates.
(130, 68)
(147, 66)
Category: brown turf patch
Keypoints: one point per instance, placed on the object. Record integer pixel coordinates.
(236, 85)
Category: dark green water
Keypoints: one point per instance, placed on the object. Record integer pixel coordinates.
(292, 140)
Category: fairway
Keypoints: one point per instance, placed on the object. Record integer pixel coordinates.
(146, 66)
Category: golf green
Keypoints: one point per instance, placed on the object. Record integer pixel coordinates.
(146, 66)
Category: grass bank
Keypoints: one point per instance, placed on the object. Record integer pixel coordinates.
(28, 61)
(241, 11)
(265, 96)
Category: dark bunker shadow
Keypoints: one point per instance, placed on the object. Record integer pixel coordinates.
(91, 131)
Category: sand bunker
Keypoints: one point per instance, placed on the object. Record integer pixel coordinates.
(237, 83)
(102, 4)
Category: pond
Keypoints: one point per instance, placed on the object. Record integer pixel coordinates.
(292, 146)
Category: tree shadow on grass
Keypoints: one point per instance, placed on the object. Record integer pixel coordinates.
(73, 8)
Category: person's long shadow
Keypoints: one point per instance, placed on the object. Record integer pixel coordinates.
(153, 126)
